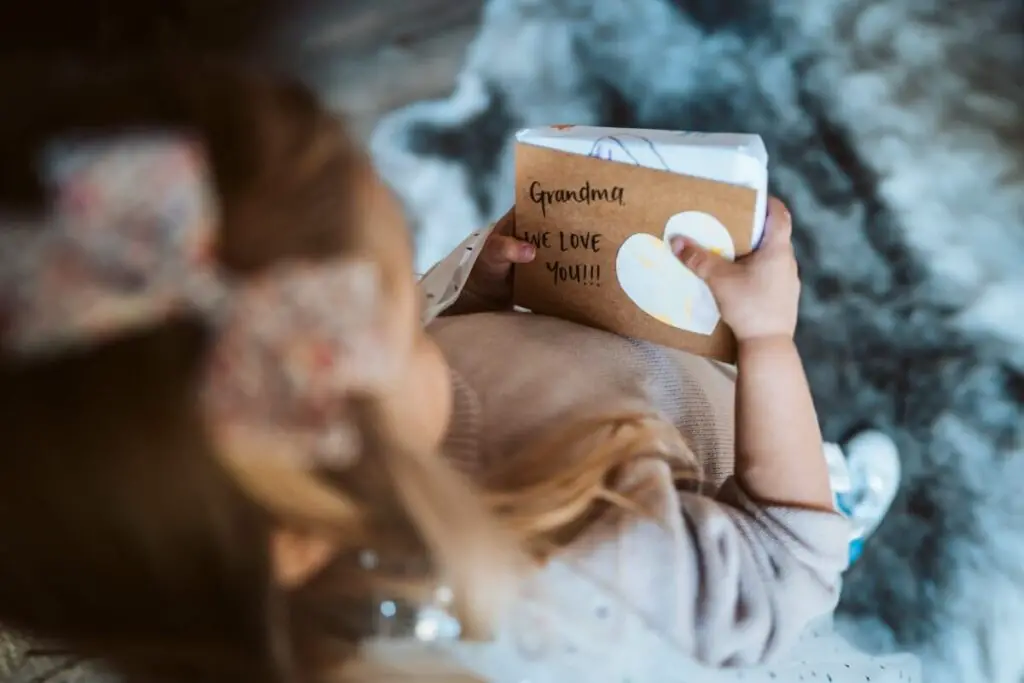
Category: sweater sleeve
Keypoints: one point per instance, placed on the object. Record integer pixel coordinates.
(752, 576)
(760, 573)
(725, 580)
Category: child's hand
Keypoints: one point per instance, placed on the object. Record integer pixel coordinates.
(491, 278)
(758, 294)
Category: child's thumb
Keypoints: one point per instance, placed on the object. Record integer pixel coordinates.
(707, 266)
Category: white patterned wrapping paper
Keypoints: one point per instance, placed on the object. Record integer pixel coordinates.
(442, 284)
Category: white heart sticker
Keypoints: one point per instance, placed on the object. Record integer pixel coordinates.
(662, 287)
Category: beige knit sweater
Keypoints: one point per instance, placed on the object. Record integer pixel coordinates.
(716, 577)
(710, 579)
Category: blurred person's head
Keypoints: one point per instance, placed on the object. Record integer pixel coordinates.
(216, 399)
(220, 416)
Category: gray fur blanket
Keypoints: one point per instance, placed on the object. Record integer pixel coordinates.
(896, 131)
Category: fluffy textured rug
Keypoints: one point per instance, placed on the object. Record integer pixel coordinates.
(896, 130)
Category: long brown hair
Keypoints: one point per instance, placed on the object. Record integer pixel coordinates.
(125, 534)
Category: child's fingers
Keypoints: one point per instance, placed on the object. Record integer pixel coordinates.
(779, 229)
(513, 250)
(504, 247)
(501, 251)
(704, 264)
(506, 225)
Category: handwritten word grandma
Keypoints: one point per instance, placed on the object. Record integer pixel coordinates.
(582, 195)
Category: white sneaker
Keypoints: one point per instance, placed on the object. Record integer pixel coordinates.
(873, 471)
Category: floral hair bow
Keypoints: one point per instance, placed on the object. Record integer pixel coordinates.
(130, 241)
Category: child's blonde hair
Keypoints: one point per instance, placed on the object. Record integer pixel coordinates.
(562, 479)
(128, 536)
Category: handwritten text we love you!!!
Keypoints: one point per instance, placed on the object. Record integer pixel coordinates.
(569, 241)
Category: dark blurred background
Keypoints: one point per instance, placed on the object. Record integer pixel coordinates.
(366, 56)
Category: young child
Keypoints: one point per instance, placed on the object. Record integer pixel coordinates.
(749, 437)
(476, 277)
(223, 424)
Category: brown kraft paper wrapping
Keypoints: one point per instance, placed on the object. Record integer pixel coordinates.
(573, 276)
